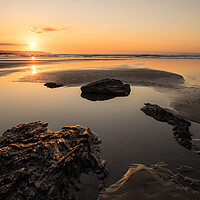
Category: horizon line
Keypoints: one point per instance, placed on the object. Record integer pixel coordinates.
(16, 52)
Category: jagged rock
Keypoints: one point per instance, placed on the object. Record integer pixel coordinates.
(180, 126)
(152, 183)
(108, 87)
(53, 85)
(39, 164)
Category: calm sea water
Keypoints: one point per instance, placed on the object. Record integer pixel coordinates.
(127, 134)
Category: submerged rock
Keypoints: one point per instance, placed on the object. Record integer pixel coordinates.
(181, 126)
(152, 183)
(39, 164)
(108, 87)
(53, 85)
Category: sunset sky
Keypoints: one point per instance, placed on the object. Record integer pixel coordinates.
(101, 26)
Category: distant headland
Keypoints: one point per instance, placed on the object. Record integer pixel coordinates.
(5, 52)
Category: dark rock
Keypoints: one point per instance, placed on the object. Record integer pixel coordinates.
(180, 126)
(53, 85)
(39, 164)
(108, 87)
(163, 115)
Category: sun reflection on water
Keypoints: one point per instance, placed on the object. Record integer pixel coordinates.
(34, 72)
(33, 58)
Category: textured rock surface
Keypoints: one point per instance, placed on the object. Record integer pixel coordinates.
(180, 126)
(39, 164)
(152, 183)
(53, 85)
(108, 87)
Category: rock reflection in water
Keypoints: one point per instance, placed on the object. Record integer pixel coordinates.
(97, 97)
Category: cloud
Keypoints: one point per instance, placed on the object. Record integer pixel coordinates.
(45, 29)
(10, 44)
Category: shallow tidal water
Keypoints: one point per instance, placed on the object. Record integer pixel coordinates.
(127, 134)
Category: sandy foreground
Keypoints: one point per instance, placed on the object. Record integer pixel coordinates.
(184, 99)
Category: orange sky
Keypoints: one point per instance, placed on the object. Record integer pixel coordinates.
(106, 26)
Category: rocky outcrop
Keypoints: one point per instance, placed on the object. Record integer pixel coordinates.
(181, 130)
(107, 87)
(37, 163)
(152, 183)
(53, 85)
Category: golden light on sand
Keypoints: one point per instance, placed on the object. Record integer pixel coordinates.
(34, 67)
(32, 44)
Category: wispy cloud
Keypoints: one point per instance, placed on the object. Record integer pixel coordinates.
(11, 44)
(46, 29)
